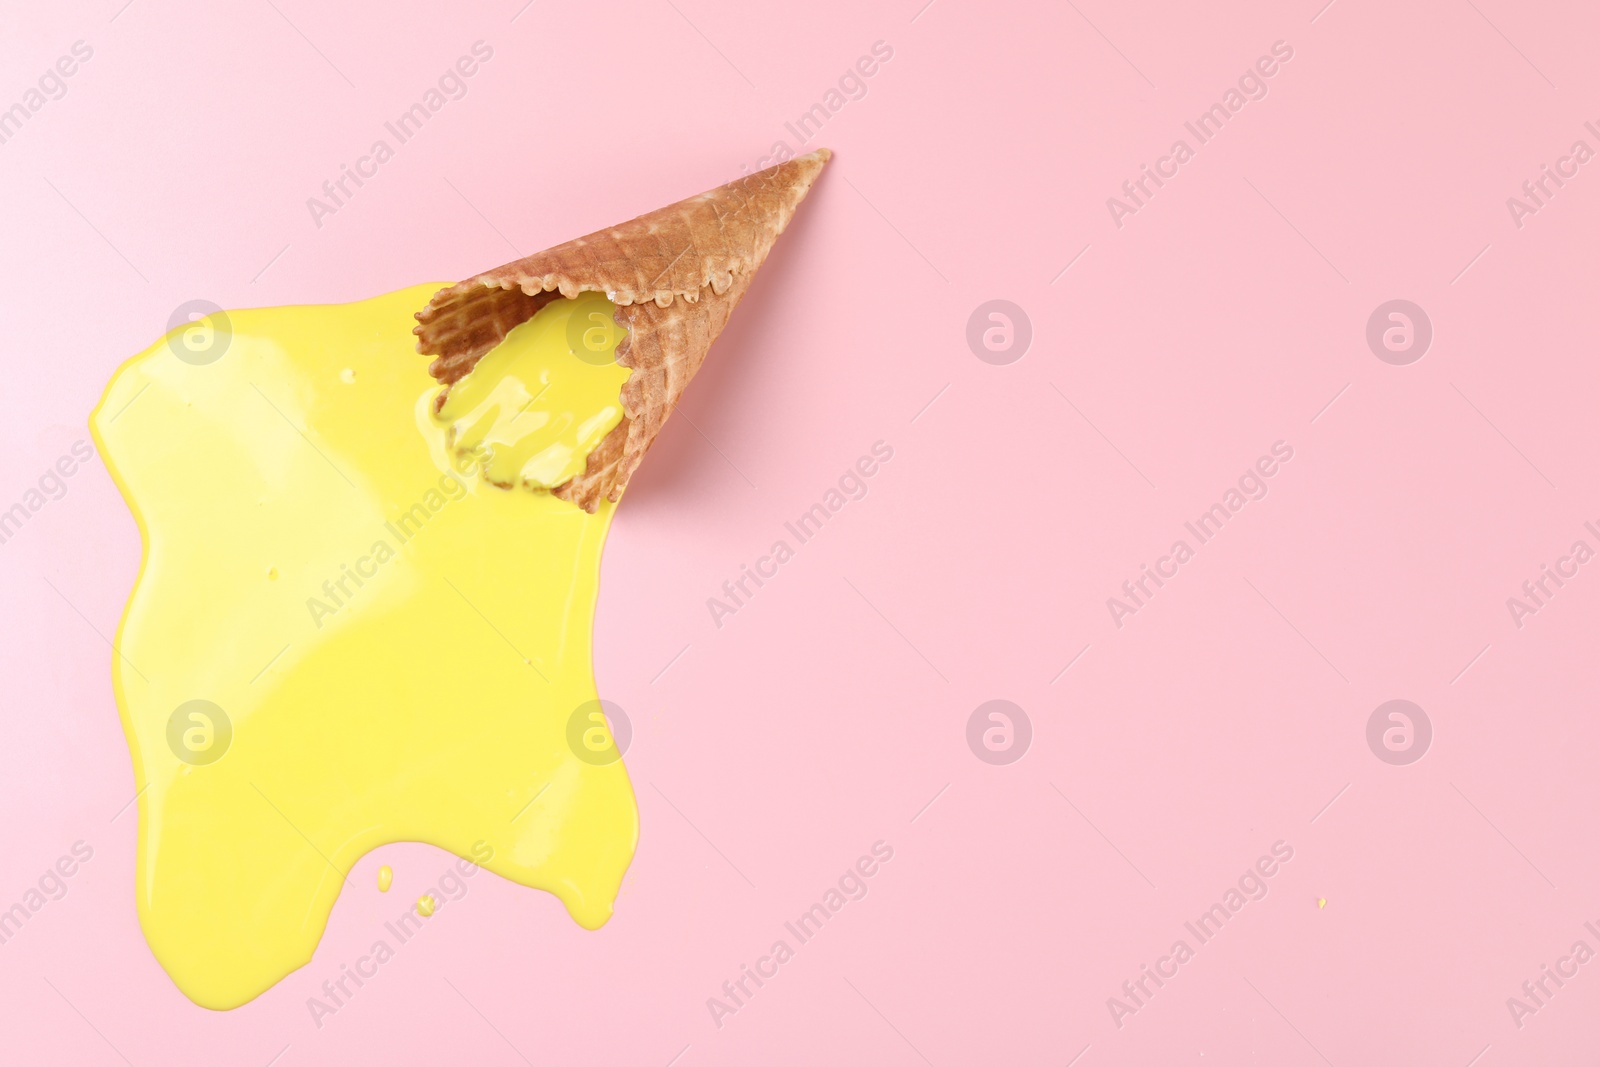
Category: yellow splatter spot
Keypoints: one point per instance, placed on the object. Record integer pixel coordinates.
(425, 905)
(385, 878)
(1322, 902)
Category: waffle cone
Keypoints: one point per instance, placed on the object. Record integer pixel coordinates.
(675, 275)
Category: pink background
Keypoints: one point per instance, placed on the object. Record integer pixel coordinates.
(1229, 713)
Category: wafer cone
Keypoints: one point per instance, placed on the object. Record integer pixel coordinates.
(675, 275)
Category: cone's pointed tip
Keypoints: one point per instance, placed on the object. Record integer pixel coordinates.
(820, 157)
(802, 171)
(810, 162)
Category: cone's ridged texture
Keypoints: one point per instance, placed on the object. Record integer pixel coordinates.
(675, 275)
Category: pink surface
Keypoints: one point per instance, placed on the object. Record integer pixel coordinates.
(1230, 712)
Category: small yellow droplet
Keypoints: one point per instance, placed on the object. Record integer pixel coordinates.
(1322, 902)
(425, 905)
(385, 878)
(348, 376)
(272, 574)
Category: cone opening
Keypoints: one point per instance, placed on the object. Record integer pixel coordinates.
(476, 324)
(529, 409)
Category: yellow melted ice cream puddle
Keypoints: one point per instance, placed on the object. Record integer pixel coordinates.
(341, 638)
